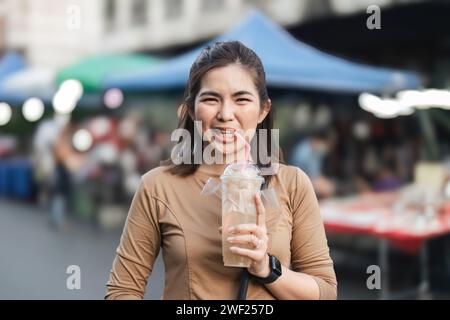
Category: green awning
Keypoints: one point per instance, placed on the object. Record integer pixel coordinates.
(92, 70)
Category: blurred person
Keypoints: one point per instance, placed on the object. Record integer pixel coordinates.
(367, 169)
(226, 90)
(151, 153)
(309, 155)
(387, 176)
(129, 128)
(67, 161)
(361, 184)
(162, 138)
(386, 180)
(43, 157)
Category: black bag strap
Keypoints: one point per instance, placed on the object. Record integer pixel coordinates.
(243, 286)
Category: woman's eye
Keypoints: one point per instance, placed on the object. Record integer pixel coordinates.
(209, 100)
(243, 100)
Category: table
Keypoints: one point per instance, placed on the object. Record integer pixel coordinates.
(377, 215)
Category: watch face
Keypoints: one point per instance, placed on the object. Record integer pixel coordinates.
(275, 265)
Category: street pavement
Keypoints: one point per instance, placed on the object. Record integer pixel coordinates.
(34, 257)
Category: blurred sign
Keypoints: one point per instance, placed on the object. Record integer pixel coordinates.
(429, 176)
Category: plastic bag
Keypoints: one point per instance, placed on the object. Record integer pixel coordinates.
(268, 196)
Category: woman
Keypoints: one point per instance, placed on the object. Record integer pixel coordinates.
(227, 92)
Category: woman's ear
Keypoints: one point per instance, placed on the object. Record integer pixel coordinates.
(264, 110)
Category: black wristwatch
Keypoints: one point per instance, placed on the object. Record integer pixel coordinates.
(275, 271)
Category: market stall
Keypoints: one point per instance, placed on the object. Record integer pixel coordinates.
(404, 219)
(289, 64)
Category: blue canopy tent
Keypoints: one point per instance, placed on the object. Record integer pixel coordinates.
(288, 63)
(11, 63)
(27, 83)
(37, 83)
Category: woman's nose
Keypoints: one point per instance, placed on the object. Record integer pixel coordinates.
(226, 112)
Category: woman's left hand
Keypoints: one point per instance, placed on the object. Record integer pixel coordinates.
(254, 235)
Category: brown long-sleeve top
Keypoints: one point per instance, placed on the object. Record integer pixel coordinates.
(169, 212)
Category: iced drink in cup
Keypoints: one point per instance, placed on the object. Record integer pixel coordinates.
(240, 182)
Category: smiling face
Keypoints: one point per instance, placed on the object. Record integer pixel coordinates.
(227, 102)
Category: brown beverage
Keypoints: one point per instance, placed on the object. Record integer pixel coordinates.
(239, 185)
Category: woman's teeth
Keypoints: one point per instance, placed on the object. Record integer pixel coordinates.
(225, 136)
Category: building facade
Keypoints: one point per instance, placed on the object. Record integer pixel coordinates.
(54, 33)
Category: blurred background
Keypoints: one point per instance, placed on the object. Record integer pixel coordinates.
(89, 92)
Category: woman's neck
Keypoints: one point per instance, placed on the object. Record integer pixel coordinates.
(213, 169)
(217, 169)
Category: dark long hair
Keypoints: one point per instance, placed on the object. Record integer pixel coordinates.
(221, 54)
